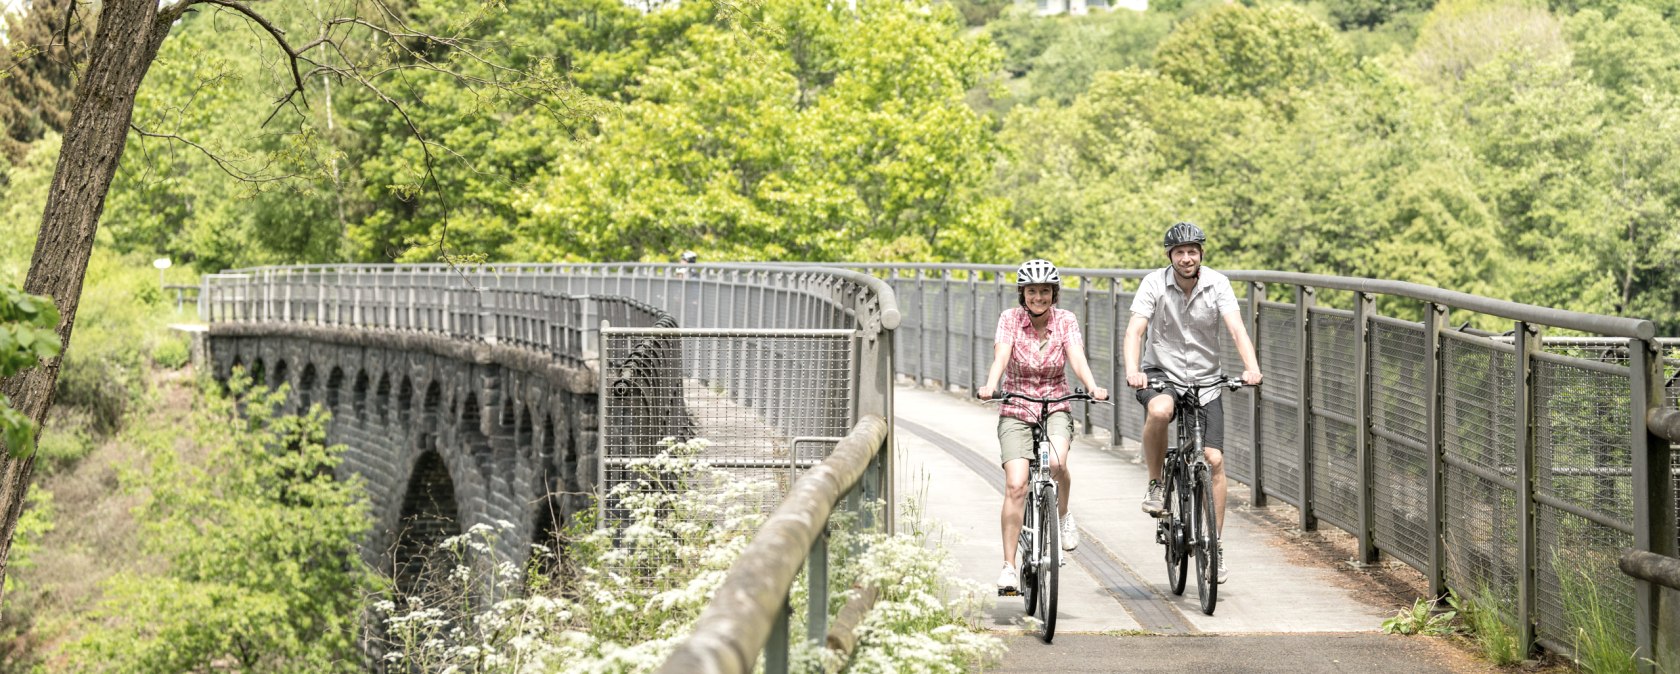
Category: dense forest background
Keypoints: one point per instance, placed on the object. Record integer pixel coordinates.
(1515, 149)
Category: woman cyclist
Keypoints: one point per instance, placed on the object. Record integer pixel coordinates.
(1035, 342)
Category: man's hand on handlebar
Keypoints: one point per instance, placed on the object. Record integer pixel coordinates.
(1137, 380)
(1251, 377)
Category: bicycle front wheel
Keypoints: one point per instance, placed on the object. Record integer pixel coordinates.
(1050, 563)
(1026, 564)
(1206, 531)
(1173, 532)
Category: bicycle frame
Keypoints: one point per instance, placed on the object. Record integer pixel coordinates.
(1190, 526)
(1038, 548)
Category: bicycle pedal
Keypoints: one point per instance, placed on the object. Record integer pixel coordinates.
(1008, 592)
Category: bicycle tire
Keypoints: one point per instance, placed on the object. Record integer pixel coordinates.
(1206, 531)
(1177, 559)
(1050, 568)
(1026, 569)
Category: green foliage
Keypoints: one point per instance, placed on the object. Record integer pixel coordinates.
(1488, 626)
(1600, 639)
(260, 545)
(35, 522)
(37, 74)
(27, 338)
(1271, 53)
(1352, 14)
(1421, 618)
(816, 135)
(171, 353)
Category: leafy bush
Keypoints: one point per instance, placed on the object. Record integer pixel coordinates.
(171, 353)
(1421, 618)
(263, 570)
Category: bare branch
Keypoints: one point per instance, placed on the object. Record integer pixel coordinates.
(226, 166)
(273, 30)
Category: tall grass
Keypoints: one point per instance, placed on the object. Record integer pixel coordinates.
(1489, 627)
(1601, 646)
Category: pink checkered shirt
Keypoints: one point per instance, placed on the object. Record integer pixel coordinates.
(1037, 369)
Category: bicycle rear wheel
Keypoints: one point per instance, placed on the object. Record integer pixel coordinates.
(1050, 566)
(1173, 525)
(1206, 532)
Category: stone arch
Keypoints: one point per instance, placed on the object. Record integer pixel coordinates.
(551, 515)
(382, 398)
(335, 383)
(306, 387)
(405, 400)
(429, 405)
(470, 434)
(430, 515)
(359, 394)
(280, 373)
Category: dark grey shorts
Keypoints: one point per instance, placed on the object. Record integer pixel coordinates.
(1213, 428)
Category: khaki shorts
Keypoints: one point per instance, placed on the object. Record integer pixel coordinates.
(1015, 436)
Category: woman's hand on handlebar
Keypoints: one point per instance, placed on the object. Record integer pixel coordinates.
(1099, 393)
(985, 393)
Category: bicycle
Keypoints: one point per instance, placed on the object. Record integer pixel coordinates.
(1041, 527)
(1190, 524)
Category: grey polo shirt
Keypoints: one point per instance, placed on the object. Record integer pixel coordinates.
(1183, 338)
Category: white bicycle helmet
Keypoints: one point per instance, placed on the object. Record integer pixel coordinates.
(1033, 272)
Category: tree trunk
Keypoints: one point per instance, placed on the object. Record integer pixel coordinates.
(130, 32)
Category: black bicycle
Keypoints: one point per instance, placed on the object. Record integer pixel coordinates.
(1038, 552)
(1190, 525)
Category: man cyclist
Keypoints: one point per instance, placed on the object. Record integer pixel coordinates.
(1181, 307)
(1034, 344)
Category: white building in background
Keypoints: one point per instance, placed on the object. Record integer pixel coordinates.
(1081, 7)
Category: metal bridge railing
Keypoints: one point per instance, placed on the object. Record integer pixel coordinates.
(788, 368)
(1514, 462)
(1507, 460)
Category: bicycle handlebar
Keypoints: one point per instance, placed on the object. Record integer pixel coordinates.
(1078, 394)
(1227, 382)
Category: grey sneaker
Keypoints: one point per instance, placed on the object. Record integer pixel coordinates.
(1154, 502)
(1223, 574)
(1070, 533)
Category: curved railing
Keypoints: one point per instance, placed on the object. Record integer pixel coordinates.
(1511, 458)
(559, 310)
(1460, 434)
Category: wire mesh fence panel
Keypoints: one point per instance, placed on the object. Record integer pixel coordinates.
(933, 329)
(960, 340)
(1584, 482)
(771, 407)
(1280, 355)
(907, 347)
(1239, 440)
(1399, 423)
(1336, 477)
(1099, 341)
(1479, 445)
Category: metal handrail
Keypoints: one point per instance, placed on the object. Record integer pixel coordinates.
(734, 627)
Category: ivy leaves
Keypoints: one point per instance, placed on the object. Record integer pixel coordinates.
(26, 340)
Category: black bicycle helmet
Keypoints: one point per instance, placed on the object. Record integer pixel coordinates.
(1183, 233)
(1037, 271)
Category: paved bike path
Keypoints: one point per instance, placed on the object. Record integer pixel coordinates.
(1116, 581)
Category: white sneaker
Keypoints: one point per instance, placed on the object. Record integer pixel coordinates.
(1223, 574)
(1007, 579)
(1070, 533)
